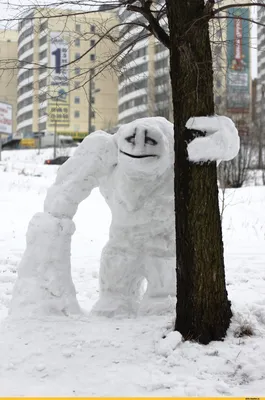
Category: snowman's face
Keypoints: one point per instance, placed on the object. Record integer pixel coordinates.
(142, 148)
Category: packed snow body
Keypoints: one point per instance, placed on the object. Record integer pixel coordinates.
(221, 142)
(134, 171)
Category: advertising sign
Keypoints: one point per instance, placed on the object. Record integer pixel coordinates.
(5, 119)
(59, 58)
(58, 107)
(238, 58)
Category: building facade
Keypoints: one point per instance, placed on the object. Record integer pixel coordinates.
(232, 62)
(8, 73)
(261, 72)
(144, 85)
(144, 82)
(63, 86)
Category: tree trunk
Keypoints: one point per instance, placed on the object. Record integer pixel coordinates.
(203, 309)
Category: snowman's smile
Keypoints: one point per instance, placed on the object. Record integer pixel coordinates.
(138, 156)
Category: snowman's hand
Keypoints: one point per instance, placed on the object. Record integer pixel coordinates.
(220, 143)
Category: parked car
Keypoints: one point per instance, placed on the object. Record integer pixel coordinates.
(56, 161)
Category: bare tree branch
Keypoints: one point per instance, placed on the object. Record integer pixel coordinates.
(253, 21)
(155, 27)
(237, 5)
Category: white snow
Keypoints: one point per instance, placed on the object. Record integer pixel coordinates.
(96, 356)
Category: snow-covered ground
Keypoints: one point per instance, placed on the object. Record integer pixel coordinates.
(92, 356)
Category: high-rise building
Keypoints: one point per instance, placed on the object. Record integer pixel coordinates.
(231, 49)
(261, 71)
(8, 76)
(144, 85)
(65, 83)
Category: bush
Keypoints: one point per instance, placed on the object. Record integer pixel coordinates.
(233, 174)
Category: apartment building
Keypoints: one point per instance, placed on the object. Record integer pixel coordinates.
(8, 79)
(144, 85)
(65, 83)
(232, 61)
(261, 71)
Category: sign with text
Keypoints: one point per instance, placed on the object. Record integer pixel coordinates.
(5, 119)
(238, 59)
(59, 58)
(58, 106)
(59, 114)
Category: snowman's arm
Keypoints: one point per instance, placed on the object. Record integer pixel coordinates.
(94, 159)
(221, 142)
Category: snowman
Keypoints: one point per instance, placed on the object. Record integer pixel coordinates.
(133, 170)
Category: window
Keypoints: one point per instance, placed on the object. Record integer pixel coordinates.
(42, 126)
(77, 100)
(25, 75)
(92, 28)
(77, 114)
(219, 33)
(25, 89)
(43, 40)
(24, 103)
(92, 42)
(43, 54)
(25, 34)
(78, 28)
(26, 47)
(218, 100)
(161, 63)
(77, 70)
(24, 117)
(218, 83)
(43, 26)
(77, 55)
(77, 85)
(42, 112)
(42, 83)
(42, 97)
(77, 42)
(92, 57)
(132, 87)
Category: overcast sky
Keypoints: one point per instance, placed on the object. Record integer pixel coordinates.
(12, 10)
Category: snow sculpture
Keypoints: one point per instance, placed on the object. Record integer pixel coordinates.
(134, 171)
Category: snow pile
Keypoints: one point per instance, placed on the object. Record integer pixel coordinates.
(169, 343)
(92, 356)
(34, 156)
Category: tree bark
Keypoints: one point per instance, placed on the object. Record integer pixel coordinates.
(203, 310)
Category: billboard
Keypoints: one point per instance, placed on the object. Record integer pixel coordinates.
(6, 127)
(238, 60)
(58, 107)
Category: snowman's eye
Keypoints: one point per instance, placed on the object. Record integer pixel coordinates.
(151, 141)
(131, 139)
(148, 140)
